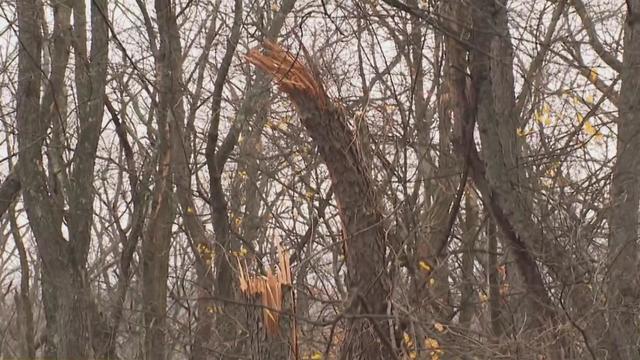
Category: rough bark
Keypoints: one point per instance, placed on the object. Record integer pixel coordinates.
(487, 94)
(65, 291)
(360, 211)
(496, 307)
(9, 190)
(26, 309)
(623, 296)
(157, 241)
(497, 121)
(468, 293)
(91, 73)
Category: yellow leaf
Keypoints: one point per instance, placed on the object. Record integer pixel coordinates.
(413, 355)
(310, 194)
(242, 252)
(438, 326)
(521, 133)
(407, 340)
(542, 118)
(424, 266)
(431, 344)
(546, 114)
(589, 129)
(190, 210)
(484, 298)
(273, 124)
(577, 100)
(551, 172)
(589, 99)
(593, 75)
(214, 309)
(316, 355)
(434, 347)
(432, 282)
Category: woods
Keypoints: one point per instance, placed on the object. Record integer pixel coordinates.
(301, 179)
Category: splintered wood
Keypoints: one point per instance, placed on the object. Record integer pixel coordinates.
(293, 76)
(269, 289)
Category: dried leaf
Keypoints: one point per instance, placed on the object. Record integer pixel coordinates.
(424, 266)
(593, 75)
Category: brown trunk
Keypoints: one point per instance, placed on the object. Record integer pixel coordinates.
(468, 293)
(25, 308)
(157, 241)
(623, 295)
(9, 190)
(65, 292)
(225, 282)
(367, 336)
(495, 301)
(488, 96)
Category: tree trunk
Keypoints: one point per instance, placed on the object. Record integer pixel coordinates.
(157, 241)
(367, 337)
(25, 311)
(623, 295)
(65, 291)
(9, 190)
(488, 96)
(468, 294)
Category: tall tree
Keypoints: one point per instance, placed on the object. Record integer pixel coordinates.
(623, 259)
(360, 209)
(66, 292)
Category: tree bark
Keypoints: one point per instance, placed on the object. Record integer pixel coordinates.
(623, 335)
(65, 292)
(26, 308)
(366, 337)
(487, 94)
(9, 190)
(468, 292)
(156, 244)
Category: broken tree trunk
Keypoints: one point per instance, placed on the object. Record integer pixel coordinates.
(270, 318)
(367, 329)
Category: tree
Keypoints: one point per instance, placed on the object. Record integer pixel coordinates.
(449, 179)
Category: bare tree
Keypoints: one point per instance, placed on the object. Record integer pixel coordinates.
(462, 182)
(623, 296)
(65, 288)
